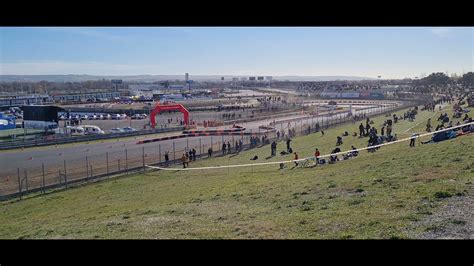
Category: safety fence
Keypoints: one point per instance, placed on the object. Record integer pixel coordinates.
(55, 139)
(38, 175)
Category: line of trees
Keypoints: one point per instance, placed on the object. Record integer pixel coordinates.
(441, 79)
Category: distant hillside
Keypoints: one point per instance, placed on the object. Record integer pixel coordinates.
(152, 78)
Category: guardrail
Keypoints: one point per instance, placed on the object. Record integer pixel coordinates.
(45, 142)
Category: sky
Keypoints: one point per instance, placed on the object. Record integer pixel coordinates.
(391, 52)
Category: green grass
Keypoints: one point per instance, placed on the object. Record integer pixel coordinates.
(376, 195)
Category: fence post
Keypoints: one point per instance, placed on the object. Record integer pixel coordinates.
(200, 147)
(143, 157)
(91, 171)
(174, 151)
(65, 173)
(87, 168)
(126, 160)
(42, 168)
(107, 161)
(19, 182)
(118, 163)
(159, 153)
(26, 179)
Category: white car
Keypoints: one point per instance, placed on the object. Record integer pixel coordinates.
(117, 117)
(89, 130)
(116, 130)
(129, 129)
(124, 116)
(84, 117)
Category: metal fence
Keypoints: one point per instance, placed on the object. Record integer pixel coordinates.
(41, 177)
(54, 140)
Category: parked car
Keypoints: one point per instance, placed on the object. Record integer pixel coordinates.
(116, 130)
(137, 116)
(129, 129)
(116, 117)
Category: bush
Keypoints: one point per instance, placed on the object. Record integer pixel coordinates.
(442, 195)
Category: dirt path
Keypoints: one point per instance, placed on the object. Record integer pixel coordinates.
(454, 220)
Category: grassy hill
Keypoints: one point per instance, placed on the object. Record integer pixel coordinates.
(376, 195)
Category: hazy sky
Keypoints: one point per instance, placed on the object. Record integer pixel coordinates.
(315, 51)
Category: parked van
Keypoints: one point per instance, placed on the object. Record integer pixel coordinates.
(90, 129)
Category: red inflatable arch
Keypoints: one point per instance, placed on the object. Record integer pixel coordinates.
(169, 107)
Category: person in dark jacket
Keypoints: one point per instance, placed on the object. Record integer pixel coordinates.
(167, 159)
(361, 130)
(274, 148)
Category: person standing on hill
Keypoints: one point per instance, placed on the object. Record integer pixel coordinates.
(412, 140)
(296, 159)
(361, 130)
(316, 156)
(209, 152)
(288, 141)
(223, 148)
(274, 148)
(183, 159)
(167, 159)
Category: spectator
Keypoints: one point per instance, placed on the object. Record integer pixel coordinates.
(167, 159)
(412, 139)
(361, 130)
(316, 156)
(274, 147)
(183, 159)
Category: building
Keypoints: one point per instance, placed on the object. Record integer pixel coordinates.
(186, 76)
(25, 100)
(84, 97)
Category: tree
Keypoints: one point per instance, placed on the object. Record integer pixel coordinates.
(438, 79)
(467, 79)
